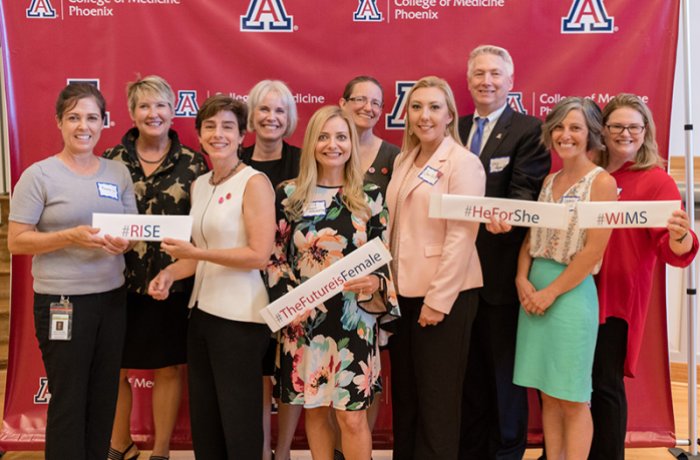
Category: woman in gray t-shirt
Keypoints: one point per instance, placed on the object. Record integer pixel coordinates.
(79, 299)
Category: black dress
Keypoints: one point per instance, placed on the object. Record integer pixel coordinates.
(156, 330)
(279, 170)
(382, 167)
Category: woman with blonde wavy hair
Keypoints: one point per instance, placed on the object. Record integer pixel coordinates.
(437, 275)
(329, 358)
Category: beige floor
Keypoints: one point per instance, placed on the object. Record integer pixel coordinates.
(680, 397)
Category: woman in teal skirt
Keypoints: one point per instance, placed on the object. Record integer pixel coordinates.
(558, 320)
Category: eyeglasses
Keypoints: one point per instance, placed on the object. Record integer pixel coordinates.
(362, 100)
(619, 129)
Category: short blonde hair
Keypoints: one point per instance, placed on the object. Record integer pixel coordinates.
(262, 89)
(152, 85)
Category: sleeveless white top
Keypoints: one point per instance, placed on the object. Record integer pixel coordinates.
(217, 214)
(558, 244)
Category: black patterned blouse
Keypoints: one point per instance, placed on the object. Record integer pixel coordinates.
(165, 192)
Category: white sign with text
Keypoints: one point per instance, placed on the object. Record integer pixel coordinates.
(326, 284)
(625, 214)
(520, 213)
(143, 227)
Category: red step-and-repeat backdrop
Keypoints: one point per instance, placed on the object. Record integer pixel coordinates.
(561, 47)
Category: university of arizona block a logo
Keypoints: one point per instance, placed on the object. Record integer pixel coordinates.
(515, 101)
(367, 11)
(266, 16)
(42, 395)
(587, 17)
(186, 104)
(41, 9)
(397, 118)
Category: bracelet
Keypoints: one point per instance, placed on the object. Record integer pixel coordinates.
(382, 286)
(680, 240)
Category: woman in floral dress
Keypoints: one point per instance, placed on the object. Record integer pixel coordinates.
(329, 358)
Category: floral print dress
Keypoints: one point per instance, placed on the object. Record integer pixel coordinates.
(330, 357)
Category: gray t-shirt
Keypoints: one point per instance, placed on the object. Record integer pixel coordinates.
(52, 197)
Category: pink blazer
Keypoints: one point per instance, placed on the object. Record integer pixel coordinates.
(435, 258)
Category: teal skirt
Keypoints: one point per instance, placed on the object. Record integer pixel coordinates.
(554, 352)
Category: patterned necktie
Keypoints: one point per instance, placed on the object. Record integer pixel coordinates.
(475, 146)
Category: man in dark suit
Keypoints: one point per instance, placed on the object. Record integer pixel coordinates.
(494, 414)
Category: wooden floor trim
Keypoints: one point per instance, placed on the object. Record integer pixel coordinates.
(679, 372)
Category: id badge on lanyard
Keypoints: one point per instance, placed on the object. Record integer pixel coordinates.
(61, 319)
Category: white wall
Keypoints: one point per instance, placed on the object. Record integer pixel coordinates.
(677, 312)
(677, 140)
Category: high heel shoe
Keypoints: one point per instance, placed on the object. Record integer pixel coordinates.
(114, 454)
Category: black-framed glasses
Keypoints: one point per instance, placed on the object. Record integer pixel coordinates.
(619, 129)
(362, 100)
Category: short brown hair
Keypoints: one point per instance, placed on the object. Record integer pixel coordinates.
(72, 93)
(347, 92)
(220, 103)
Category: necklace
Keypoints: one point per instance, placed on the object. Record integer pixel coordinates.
(229, 174)
(151, 162)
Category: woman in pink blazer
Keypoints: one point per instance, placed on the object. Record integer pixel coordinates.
(437, 271)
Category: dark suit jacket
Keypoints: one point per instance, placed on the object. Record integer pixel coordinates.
(517, 137)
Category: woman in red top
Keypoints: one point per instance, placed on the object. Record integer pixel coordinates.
(625, 279)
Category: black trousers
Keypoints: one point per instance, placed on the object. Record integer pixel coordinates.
(609, 401)
(427, 372)
(225, 386)
(494, 410)
(83, 373)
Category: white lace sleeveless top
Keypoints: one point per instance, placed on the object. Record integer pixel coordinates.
(557, 244)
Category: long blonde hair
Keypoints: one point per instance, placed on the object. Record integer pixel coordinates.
(353, 195)
(410, 140)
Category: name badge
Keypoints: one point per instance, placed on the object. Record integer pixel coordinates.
(429, 175)
(61, 319)
(570, 201)
(108, 190)
(498, 164)
(315, 208)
